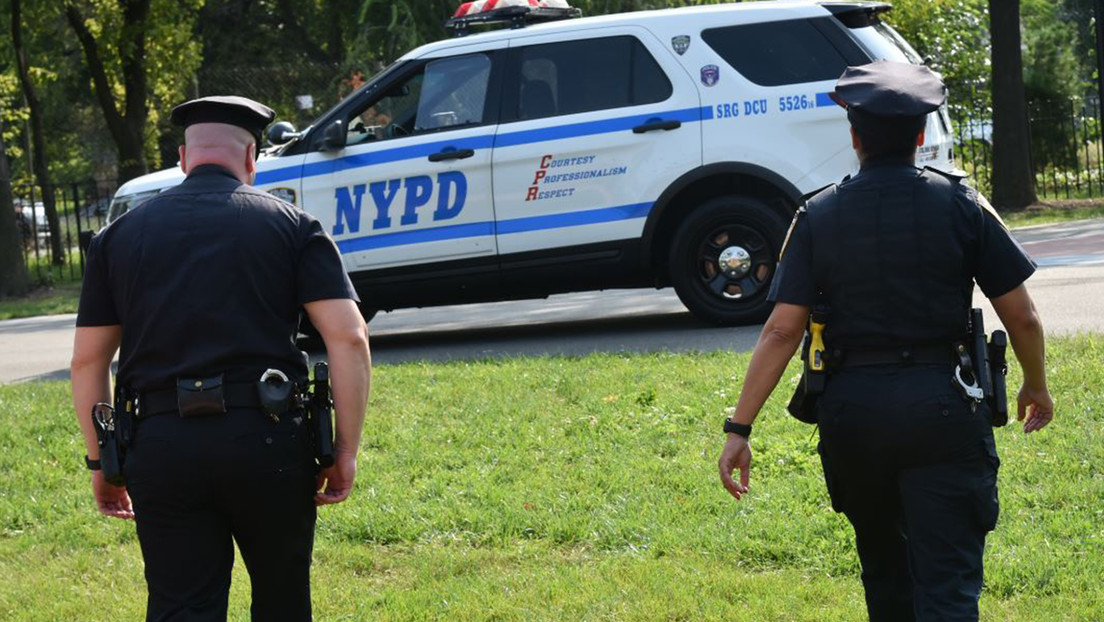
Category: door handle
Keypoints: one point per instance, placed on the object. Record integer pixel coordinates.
(657, 124)
(451, 154)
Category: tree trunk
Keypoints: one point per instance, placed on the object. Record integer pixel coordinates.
(14, 280)
(38, 152)
(1013, 174)
(128, 129)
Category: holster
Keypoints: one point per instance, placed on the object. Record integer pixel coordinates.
(803, 404)
(990, 367)
(321, 416)
(107, 437)
(998, 367)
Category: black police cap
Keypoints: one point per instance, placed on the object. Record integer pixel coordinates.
(889, 89)
(230, 109)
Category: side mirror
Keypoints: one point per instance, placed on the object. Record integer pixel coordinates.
(333, 137)
(281, 133)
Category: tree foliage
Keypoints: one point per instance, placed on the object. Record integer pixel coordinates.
(953, 38)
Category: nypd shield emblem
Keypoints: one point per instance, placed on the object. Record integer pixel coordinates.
(710, 75)
(284, 194)
(681, 43)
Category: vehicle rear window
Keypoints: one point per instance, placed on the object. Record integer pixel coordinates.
(778, 53)
(587, 75)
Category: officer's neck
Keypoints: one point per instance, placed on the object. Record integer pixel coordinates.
(866, 162)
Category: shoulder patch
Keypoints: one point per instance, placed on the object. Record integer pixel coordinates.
(805, 197)
(793, 225)
(954, 177)
(984, 204)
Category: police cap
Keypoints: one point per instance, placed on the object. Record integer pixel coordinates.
(889, 89)
(230, 109)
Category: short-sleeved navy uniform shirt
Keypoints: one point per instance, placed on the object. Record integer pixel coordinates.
(207, 278)
(895, 252)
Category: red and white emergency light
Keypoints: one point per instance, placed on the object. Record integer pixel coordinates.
(481, 6)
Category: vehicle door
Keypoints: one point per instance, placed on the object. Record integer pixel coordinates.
(593, 130)
(406, 179)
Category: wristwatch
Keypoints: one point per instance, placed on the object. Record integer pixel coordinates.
(731, 427)
(93, 465)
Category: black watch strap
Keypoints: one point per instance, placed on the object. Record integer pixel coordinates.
(731, 427)
(93, 465)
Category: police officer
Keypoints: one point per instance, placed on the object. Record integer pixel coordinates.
(894, 252)
(202, 287)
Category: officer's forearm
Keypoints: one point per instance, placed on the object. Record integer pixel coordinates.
(777, 343)
(350, 374)
(90, 374)
(1025, 330)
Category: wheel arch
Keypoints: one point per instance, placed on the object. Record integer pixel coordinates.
(702, 184)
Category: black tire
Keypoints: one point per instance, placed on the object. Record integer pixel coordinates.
(722, 227)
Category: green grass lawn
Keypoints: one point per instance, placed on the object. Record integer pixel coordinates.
(573, 489)
(52, 300)
(1050, 213)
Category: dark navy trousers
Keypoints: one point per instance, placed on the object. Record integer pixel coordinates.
(198, 485)
(915, 472)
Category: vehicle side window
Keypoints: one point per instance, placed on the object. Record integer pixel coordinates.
(587, 75)
(454, 92)
(777, 53)
(446, 93)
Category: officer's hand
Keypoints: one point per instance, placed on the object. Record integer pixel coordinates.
(337, 480)
(736, 455)
(1038, 407)
(111, 500)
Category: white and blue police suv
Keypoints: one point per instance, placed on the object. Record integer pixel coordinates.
(661, 148)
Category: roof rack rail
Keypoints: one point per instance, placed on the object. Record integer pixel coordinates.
(515, 16)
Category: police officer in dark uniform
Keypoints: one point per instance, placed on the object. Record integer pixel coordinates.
(894, 253)
(202, 287)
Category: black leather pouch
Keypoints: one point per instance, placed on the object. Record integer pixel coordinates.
(200, 397)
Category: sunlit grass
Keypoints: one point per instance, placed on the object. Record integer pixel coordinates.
(573, 489)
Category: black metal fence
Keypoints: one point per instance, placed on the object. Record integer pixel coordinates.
(1067, 154)
(81, 210)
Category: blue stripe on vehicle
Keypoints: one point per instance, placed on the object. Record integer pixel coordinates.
(480, 229)
(573, 219)
(419, 236)
(508, 139)
(604, 126)
(824, 99)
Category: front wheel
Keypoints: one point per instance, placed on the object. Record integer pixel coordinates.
(723, 258)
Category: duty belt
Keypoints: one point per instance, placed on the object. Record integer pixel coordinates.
(939, 354)
(164, 401)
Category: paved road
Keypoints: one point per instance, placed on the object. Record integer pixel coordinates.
(1069, 290)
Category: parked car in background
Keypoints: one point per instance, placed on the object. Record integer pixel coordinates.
(32, 222)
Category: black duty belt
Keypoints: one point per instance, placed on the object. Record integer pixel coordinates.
(940, 354)
(163, 402)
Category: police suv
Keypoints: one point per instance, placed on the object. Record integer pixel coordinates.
(659, 148)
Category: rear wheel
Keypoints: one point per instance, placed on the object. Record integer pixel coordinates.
(723, 259)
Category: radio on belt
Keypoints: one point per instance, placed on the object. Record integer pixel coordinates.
(517, 13)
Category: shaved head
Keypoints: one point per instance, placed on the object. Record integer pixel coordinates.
(223, 144)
